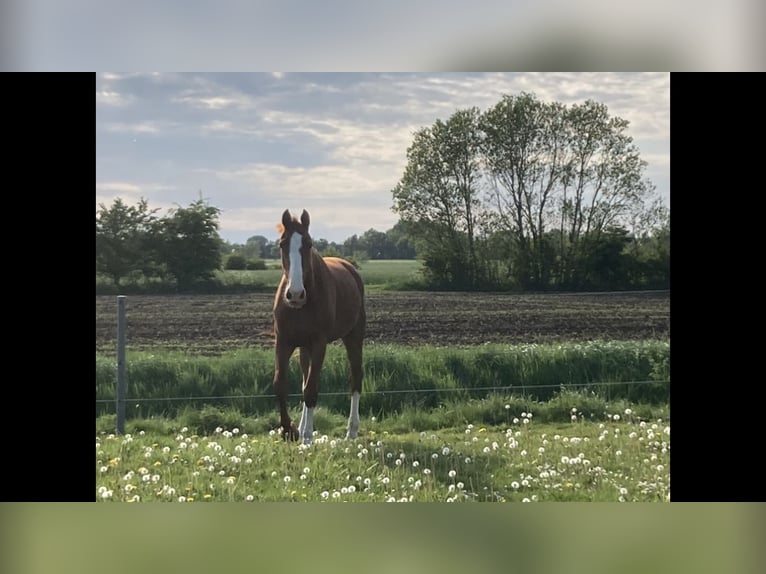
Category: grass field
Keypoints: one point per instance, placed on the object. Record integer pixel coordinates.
(377, 274)
(451, 380)
(621, 459)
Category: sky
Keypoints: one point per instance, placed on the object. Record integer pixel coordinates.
(255, 144)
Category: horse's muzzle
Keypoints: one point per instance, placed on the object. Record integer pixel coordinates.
(295, 300)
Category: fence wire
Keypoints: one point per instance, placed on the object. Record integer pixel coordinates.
(507, 388)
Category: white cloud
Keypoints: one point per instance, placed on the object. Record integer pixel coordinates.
(145, 127)
(333, 144)
(109, 97)
(118, 187)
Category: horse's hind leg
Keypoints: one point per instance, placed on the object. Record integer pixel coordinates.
(353, 343)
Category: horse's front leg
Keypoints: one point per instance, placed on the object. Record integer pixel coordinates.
(312, 359)
(282, 358)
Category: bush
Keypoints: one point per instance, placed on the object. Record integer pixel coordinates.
(256, 265)
(236, 262)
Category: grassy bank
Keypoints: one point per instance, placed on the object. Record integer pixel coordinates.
(164, 384)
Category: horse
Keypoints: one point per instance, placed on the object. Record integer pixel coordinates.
(319, 300)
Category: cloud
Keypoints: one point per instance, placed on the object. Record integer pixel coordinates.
(119, 187)
(145, 127)
(331, 143)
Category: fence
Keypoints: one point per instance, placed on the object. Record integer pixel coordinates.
(394, 378)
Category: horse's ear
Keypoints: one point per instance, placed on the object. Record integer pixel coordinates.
(280, 228)
(286, 218)
(305, 219)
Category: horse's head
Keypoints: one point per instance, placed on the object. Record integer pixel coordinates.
(295, 248)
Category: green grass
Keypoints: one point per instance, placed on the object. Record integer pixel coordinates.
(394, 274)
(377, 274)
(163, 383)
(522, 459)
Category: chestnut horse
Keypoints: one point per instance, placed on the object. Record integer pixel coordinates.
(318, 301)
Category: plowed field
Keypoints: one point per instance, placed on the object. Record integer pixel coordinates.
(212, 324)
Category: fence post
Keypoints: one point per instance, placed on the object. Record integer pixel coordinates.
(121, 385)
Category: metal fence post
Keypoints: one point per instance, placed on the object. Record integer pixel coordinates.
(121, 384)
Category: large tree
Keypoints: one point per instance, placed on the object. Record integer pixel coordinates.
(123, 238)
(190, 244)
(560, 181)
(602, 186)
(525, 152)
(438, 197)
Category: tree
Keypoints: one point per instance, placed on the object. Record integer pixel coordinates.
(437, 197)
(603, 185)
(400, 242)
(524, 148)
(256, 247)
(375, 244)
(190, 243)
(123, 238)
(561, 180)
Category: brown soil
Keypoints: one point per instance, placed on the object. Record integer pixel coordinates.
(212, 324)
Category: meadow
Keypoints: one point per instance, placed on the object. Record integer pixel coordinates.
(466, 397)
(378, 274)
(621, 458)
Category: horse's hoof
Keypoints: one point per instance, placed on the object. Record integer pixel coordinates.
(291, 434)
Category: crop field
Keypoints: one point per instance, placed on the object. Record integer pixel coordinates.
(215, 324)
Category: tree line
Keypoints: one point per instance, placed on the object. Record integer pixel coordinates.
(372, 244)
(533, 195)
(184, 246)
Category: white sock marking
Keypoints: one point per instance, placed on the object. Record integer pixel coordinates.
(353, 419)
(306, 426)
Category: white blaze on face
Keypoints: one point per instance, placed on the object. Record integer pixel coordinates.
(295, 277)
